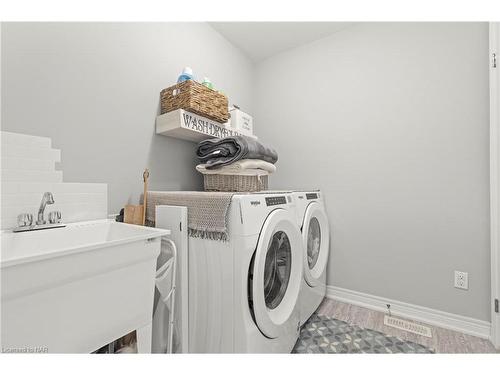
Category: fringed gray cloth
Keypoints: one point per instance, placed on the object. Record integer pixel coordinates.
(207, 211)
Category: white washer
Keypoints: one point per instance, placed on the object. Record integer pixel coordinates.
(243, 293)
(313, 222)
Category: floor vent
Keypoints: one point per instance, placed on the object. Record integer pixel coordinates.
(405, 325)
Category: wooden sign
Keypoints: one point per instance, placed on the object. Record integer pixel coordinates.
(190, 126)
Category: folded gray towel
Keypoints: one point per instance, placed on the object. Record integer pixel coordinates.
(217, 152)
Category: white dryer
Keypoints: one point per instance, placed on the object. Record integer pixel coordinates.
(312, 219)
(244, 293)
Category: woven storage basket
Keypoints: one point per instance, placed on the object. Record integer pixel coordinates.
(224, 182)
(194, 97)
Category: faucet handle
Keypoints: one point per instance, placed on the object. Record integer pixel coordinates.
(24, 220)
(55, 217)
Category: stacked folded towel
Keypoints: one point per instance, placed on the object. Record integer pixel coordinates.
(243, 167)
(238, 155)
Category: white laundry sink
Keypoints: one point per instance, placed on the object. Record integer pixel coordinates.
(77, 288)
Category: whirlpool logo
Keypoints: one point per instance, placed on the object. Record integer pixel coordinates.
(254, 203)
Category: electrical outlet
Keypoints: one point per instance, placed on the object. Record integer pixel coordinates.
(461, 280)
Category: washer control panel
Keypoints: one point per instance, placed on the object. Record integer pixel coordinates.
(311, 196)
(274, 201)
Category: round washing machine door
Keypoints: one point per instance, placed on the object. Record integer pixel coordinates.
(277, 273)
(316, 241)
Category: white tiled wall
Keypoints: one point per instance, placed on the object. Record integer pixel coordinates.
(29, 169)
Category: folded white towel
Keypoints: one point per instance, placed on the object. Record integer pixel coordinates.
(243, 172)
(244, 166)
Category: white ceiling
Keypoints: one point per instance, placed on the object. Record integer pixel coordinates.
(260, 40)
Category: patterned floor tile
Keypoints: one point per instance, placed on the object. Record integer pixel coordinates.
(322, 334)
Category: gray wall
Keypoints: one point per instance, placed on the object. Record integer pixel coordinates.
(391, 122)
(94, 89)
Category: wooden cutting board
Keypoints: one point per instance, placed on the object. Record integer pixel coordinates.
(136, 214)
(133, 214)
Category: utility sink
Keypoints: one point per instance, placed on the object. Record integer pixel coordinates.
(77, 288)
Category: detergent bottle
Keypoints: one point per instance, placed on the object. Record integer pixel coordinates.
(187, 73)
(206, 82)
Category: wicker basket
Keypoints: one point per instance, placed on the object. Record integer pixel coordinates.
(224, 182)
(194, 97)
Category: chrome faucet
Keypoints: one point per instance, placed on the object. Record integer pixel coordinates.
(25, 220)
(46, 199)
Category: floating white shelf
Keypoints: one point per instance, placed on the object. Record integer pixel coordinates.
(192, 127)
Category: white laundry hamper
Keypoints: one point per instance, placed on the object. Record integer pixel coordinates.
(163, 317)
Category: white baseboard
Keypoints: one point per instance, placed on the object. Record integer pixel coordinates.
(470, 326)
